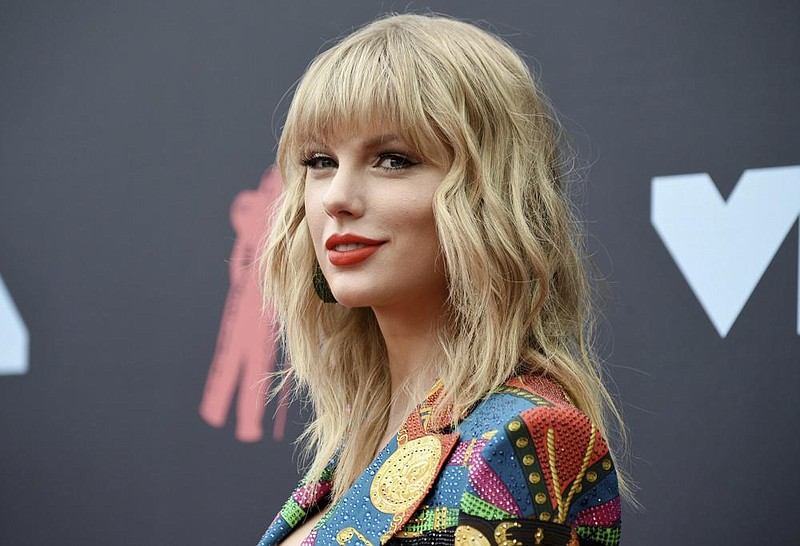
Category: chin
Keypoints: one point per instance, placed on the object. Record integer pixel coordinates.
(366, 295)
(349, 298)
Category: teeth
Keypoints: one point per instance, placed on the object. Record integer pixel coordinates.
(351, 246)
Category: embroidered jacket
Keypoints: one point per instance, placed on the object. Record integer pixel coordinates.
(523, 467)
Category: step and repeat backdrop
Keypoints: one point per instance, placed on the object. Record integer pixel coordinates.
(136, 144)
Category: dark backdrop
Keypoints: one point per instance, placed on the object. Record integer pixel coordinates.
(127, 129)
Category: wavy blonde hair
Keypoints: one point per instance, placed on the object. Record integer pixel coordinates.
(520, 299)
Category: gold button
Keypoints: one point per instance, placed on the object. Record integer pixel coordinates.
(540, 498)
(591, 476)
(606, 464)
(544, 516)
(513, 426)
(534, 477)
(522, 442)
(528, 460)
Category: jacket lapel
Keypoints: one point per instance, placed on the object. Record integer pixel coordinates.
(385, 496)
(390, 490)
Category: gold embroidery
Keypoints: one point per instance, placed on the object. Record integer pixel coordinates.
(394, 526)
(468, 452)
(470, 536)
(563, 504)
(405, 476)
(345, 535)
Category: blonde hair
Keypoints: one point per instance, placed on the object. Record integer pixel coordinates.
(520, 298)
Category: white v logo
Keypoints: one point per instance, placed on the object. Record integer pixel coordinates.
(13, 336)
(722, 248)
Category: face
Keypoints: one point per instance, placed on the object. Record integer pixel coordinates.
(368, 203)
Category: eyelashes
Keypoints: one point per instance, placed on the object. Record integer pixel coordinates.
(394, 161)
(317, 161)
(386, 161)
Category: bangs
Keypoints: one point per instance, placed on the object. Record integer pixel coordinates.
(362, 84)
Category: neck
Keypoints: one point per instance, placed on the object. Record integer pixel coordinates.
(411, 342)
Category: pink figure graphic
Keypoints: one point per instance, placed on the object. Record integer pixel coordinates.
(246, 345)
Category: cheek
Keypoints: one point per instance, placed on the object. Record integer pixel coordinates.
(420, 220)
(419, 227)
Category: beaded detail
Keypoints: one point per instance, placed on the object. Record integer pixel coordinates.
(406, 475)
(524, 464)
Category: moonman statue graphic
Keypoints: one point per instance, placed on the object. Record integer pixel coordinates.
(246, 345)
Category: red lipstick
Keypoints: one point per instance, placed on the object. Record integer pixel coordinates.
(358, 248)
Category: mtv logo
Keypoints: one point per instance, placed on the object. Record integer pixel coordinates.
(723, 248)
(13, 336)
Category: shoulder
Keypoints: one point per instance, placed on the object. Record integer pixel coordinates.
(533, 397)
(537, 457)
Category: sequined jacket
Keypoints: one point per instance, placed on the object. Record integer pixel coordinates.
(523, 467)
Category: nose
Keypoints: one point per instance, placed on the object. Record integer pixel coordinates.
(344, 194)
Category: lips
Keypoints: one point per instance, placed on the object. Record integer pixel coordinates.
(349, 249)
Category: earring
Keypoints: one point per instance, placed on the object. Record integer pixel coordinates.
(321, 286)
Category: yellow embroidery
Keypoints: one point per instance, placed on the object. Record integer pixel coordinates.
(394, 526)
(469, 536)
(563, 504)
(344, 536)
(468, 452)
(405, 476)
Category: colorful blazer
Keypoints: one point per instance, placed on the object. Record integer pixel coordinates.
(524, 466)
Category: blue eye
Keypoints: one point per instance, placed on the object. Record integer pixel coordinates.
(318, 161)
(393, 162)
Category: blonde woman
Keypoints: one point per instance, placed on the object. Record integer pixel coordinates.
(432, 294)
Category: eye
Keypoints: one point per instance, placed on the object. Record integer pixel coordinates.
(394, 161)
(318, 161)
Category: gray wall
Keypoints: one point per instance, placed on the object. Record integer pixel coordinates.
(127, 129)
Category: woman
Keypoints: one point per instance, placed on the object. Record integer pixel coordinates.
(455, 393)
